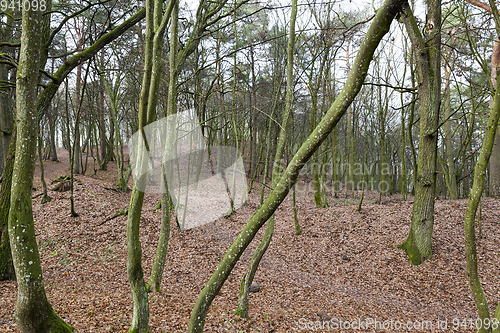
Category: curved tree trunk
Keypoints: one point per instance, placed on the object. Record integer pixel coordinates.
(472, 205)
(379, 27)
(156, 22)
(166, 201)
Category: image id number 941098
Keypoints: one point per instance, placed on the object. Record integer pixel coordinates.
(18, 5)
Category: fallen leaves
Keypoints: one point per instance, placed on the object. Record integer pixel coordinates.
(344, 266)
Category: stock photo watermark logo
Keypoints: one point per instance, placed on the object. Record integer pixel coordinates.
(364, 324)
(394, 325)
(368, 176)
(204, 182)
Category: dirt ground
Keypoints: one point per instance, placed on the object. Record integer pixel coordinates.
(343, 273)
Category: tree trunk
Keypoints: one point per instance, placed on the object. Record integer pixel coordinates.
(166, 202)
(33, 311)
(155, 28)
(427, 48)
(253, 130)
(450, 156)
(135, 274)
(6, 118)
(494, 177)
(52, 134)
(383, 184)
(379, 27)
(351, 181)
(102, 123)
(76, 142)
(470, 213)
(6, 264)
(6, 112)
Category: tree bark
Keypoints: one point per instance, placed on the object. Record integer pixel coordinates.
(450, 156)
(427, 49)
(470, 213)
(494, 177)
(6, 112)
(76, 143)
(6, 265)
(166, 202)
(102, 123)
(135, 273)
(52, 134)
(6, 118)
(156, 22)
(33, 311)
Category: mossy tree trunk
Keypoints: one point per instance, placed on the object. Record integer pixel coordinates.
(7, 150)
(475, 199)
(166, 202)
(378, 28)
(135, 273)
(427, 49)
(6, 264)
(494, 177)
(102, 122)
(156, 23)
(33, 311)
(472, 206)
(6, 112)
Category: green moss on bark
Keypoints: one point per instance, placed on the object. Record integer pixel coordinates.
(6, 265)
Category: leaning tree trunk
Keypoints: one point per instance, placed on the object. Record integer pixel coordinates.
(427, 49)
(33, 311)
(379, 27)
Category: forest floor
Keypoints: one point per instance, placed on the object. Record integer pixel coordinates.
(345, 267)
